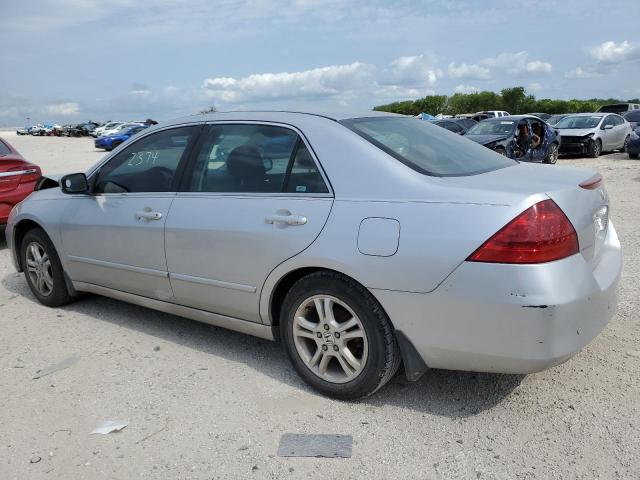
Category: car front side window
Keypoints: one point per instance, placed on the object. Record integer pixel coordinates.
(148, 165)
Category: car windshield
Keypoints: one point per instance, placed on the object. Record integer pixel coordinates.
(579, 121)
(552, 120)
(492, 127)
(427, 148)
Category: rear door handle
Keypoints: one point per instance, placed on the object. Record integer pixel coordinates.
(148, 215)
(286, 219)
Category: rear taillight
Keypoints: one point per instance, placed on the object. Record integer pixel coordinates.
(542, 233)
(27, 174)
(592, 183)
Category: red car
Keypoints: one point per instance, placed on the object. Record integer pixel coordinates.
(17, 179)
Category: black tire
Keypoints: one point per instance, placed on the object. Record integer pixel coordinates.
(595, 149)
(383, 357)
(633, 156)
(59, 294)
(552, 157)
(115, 145)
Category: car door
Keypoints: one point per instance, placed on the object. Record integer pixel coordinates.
(620, 128)
(255, 196)
(608, 133)
(114, 237)
(540, 153)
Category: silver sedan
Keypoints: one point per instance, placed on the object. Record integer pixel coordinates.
(361, 242)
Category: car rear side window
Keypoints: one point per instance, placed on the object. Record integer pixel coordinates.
(426, 148)
(4, 150)
(254, 158)
(147, 165)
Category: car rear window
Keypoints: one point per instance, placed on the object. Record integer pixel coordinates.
(4, 150)
(427, 148)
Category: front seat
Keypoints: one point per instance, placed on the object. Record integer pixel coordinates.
(246, 166)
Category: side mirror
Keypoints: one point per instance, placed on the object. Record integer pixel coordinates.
(74, 183)
(607, 127)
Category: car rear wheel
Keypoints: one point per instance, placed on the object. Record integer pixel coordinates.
(337, 336)
(552, 157)
(633, 156)
(43, 269)
(595, 148)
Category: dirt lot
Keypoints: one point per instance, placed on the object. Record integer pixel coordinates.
(206, 403)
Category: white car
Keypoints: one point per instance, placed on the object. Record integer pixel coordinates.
(121, 126)
(107, 126)
(494, 113)
(593, 133)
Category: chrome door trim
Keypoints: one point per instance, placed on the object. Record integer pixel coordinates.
(119, 266)
(214, 283)
(230, 323)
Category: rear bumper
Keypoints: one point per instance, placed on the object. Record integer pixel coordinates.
(10, 199)
(510, 318)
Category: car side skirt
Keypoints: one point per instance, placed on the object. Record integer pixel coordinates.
(230, 323)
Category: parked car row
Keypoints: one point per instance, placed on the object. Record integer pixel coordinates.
(540, 137)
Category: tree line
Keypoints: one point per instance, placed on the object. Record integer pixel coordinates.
(514, 100)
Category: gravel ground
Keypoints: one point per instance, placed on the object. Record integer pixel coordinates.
(205, 403)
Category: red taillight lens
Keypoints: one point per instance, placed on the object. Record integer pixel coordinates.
(27, 174)
(542, 233)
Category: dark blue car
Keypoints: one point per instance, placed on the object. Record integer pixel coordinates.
(521, 137)
(633, 146)
(110, 142)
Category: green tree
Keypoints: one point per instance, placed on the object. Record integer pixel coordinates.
(513, 99)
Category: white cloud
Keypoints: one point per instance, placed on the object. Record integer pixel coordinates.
(612, 52)
(468, 71)
(534, 87)
(466, 89)
(416, 70)
(67, 108)
(538, 67)
(580, 72)
(331, 81)
(516, 63)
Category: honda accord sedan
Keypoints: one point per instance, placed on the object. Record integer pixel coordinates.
(361, 242)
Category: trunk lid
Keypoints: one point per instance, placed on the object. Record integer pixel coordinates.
(587, 209)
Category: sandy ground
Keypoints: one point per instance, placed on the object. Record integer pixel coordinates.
(205, 403)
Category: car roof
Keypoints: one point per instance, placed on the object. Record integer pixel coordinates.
(279, 115)
(512, 117)
(594, 114)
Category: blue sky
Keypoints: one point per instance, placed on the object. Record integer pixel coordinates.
(71, 60)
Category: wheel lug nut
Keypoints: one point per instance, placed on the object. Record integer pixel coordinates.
(337, 334)
(319, 335)
(324, 347)
(326, 327)
(335, 348)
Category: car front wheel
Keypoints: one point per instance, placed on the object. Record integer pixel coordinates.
(595, 148)
(43, 269)
(337, 336)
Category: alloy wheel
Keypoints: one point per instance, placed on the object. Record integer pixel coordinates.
(39, 269)
(330, 339)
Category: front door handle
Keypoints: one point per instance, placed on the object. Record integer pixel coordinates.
(286, 219)
(148, 215)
